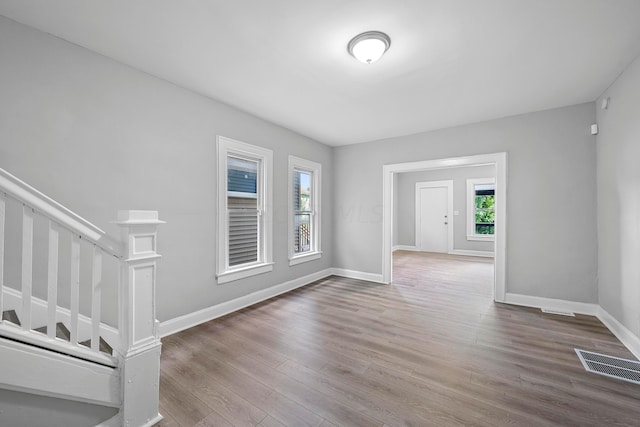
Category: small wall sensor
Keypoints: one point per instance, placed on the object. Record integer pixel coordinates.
(605, 103)
(594, 129)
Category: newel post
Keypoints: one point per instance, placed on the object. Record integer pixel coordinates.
(140, 342)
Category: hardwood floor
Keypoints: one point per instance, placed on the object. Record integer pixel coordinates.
(432, 349)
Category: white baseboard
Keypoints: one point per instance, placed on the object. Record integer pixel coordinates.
(465, 252)
(404, 248)
(626, 337)
(193, 319)
(552, 304)
(352, 274)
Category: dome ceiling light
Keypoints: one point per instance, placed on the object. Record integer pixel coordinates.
(369, 46)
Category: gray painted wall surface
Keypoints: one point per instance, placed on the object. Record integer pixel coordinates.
(619, 200)
(25, 409)
(99, 136)
(551, 243)
(405, 219)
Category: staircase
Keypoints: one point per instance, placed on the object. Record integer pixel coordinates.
(78, 311)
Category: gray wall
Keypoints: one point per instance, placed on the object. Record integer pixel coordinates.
(619, 200)
(22, 409)
(99, 136)
(405, 197)
(551, 241)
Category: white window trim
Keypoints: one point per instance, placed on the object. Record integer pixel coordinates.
(471, 203)
(224, 273)
(316, 250)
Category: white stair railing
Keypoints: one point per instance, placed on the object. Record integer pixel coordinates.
(135, 340)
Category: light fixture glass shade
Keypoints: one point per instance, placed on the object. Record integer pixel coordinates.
(369, 47)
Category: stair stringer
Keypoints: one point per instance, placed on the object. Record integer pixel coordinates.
(38, 371)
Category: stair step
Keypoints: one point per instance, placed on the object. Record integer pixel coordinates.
(11, 316)
(104, 346)
(61, 331)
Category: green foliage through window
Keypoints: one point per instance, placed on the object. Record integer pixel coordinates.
(484, 211)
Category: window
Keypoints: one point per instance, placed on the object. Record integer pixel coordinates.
(304, 210)
(244, 210)
(481, 209)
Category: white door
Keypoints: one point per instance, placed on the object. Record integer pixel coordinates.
(433, 221)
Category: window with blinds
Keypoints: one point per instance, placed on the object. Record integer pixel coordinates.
(242, 210)
(304, 210)
(245, 200)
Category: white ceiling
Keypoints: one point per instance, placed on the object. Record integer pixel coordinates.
(451, 61)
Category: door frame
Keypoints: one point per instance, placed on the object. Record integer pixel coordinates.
(499, 160)
(448, 184)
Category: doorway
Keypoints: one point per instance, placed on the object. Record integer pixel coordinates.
(434, 206)
(499, 162)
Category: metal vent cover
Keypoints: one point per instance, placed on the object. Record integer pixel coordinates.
(558, 312)
(614, 367)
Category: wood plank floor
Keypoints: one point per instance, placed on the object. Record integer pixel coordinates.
(432, 349)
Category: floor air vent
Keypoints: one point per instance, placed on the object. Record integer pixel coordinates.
(614, 367)
(558, 312)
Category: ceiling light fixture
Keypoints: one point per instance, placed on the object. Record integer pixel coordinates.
(368, 47)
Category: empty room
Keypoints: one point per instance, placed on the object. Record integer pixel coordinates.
(322, 213)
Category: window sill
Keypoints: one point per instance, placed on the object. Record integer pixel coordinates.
(481, 238)
(299, 259)
(241, 273)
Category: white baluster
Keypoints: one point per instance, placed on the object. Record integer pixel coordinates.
(75, 288)
(2, 217)
(52, 279)
(27, 266)
(96, 298)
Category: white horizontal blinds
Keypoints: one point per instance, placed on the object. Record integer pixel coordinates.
(302, 211)
(243, 231)
(243, 207)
